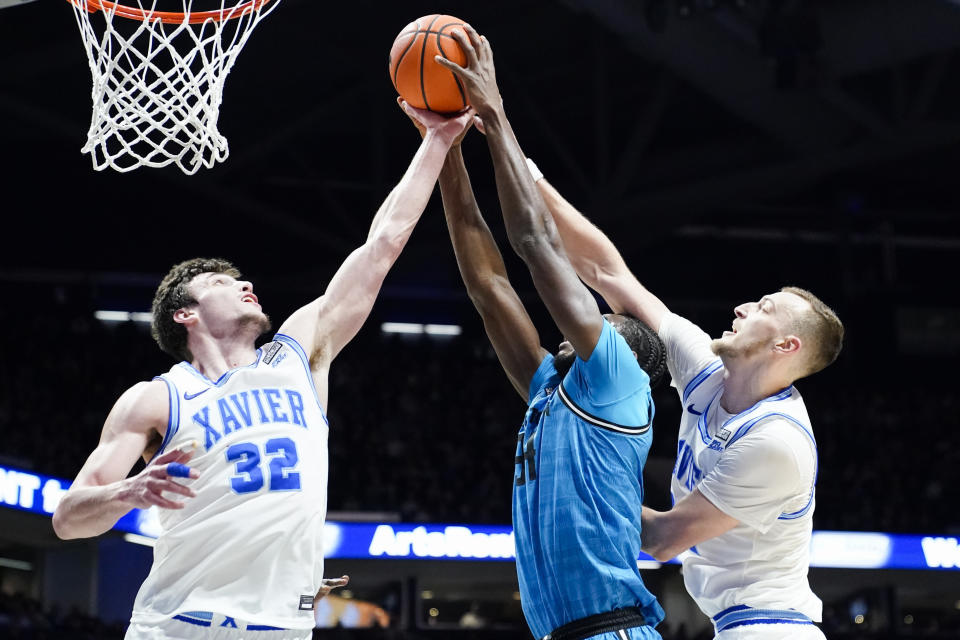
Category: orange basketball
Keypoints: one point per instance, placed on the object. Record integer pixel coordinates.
(416, 75)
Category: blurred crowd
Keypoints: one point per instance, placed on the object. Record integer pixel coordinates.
(426, 428)
(23, 618)
(889, 457)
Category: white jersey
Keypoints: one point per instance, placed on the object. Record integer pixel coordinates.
(758, 466)
(249, 545)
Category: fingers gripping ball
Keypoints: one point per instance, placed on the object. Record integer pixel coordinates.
(416, 75)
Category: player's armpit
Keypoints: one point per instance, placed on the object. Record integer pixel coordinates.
(326, 324)
(315, 324)
(665, 534)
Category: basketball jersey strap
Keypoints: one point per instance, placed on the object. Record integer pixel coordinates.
(173, 417)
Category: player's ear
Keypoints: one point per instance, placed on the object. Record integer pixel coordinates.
(185, 316)
(788, 344)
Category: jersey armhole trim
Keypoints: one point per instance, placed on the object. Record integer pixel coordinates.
(793, 515)
(599, 422)
(298, 349)
(701, 377)
(173, 418)
(742, 431)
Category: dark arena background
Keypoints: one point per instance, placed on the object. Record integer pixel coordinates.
(728, 147)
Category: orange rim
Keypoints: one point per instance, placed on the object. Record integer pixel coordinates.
(171, 17)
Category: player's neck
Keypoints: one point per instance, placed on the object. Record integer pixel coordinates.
(214, 357)
(745, 385)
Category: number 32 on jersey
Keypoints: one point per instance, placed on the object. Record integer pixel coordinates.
(281, 460)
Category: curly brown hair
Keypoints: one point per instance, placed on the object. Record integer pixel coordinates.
(172, 294)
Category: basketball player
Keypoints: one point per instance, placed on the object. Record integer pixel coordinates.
(240, 554)
(587, 430)
(743, 483)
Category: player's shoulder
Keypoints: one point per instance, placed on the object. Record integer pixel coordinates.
(144, 404)
(783, 439)
(676, 327)
(544, 377)
(780, 426)
(688, 352)
(609, 342)
(146, 391)
(611, 360)
(305, 326)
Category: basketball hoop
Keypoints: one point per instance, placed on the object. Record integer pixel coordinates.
(158, 80)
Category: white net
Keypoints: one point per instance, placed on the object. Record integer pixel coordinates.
(158, 80)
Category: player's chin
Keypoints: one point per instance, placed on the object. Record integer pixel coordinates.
(257, 319)
(722, 345)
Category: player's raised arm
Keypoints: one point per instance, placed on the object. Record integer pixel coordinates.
(505, 320)
(328, 323)
(530, 228)
(102, 493)
(597, 260)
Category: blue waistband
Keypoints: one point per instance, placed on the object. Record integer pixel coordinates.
(742, 615)
(206, 619)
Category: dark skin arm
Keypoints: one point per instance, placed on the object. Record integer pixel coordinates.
(511, 332)
(508, 326)
(529, 224)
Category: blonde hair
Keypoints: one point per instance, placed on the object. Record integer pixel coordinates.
(821, 329)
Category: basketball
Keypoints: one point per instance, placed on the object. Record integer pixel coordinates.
(416, 75)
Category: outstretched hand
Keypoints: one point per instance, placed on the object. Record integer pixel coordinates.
(479, 77)
(327, 585)
(451, 128)
(146, 489)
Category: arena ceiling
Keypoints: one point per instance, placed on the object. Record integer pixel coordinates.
(742, 130)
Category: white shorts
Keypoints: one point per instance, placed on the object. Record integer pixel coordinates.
(772, 632)
(211, 627)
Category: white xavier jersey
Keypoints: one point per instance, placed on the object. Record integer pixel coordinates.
(249, 544)
(759, 467)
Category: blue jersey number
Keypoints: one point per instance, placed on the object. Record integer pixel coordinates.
(281, 478)
(526, 457)
(249, 476)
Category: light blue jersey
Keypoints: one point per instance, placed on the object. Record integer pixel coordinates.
(579, 486)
